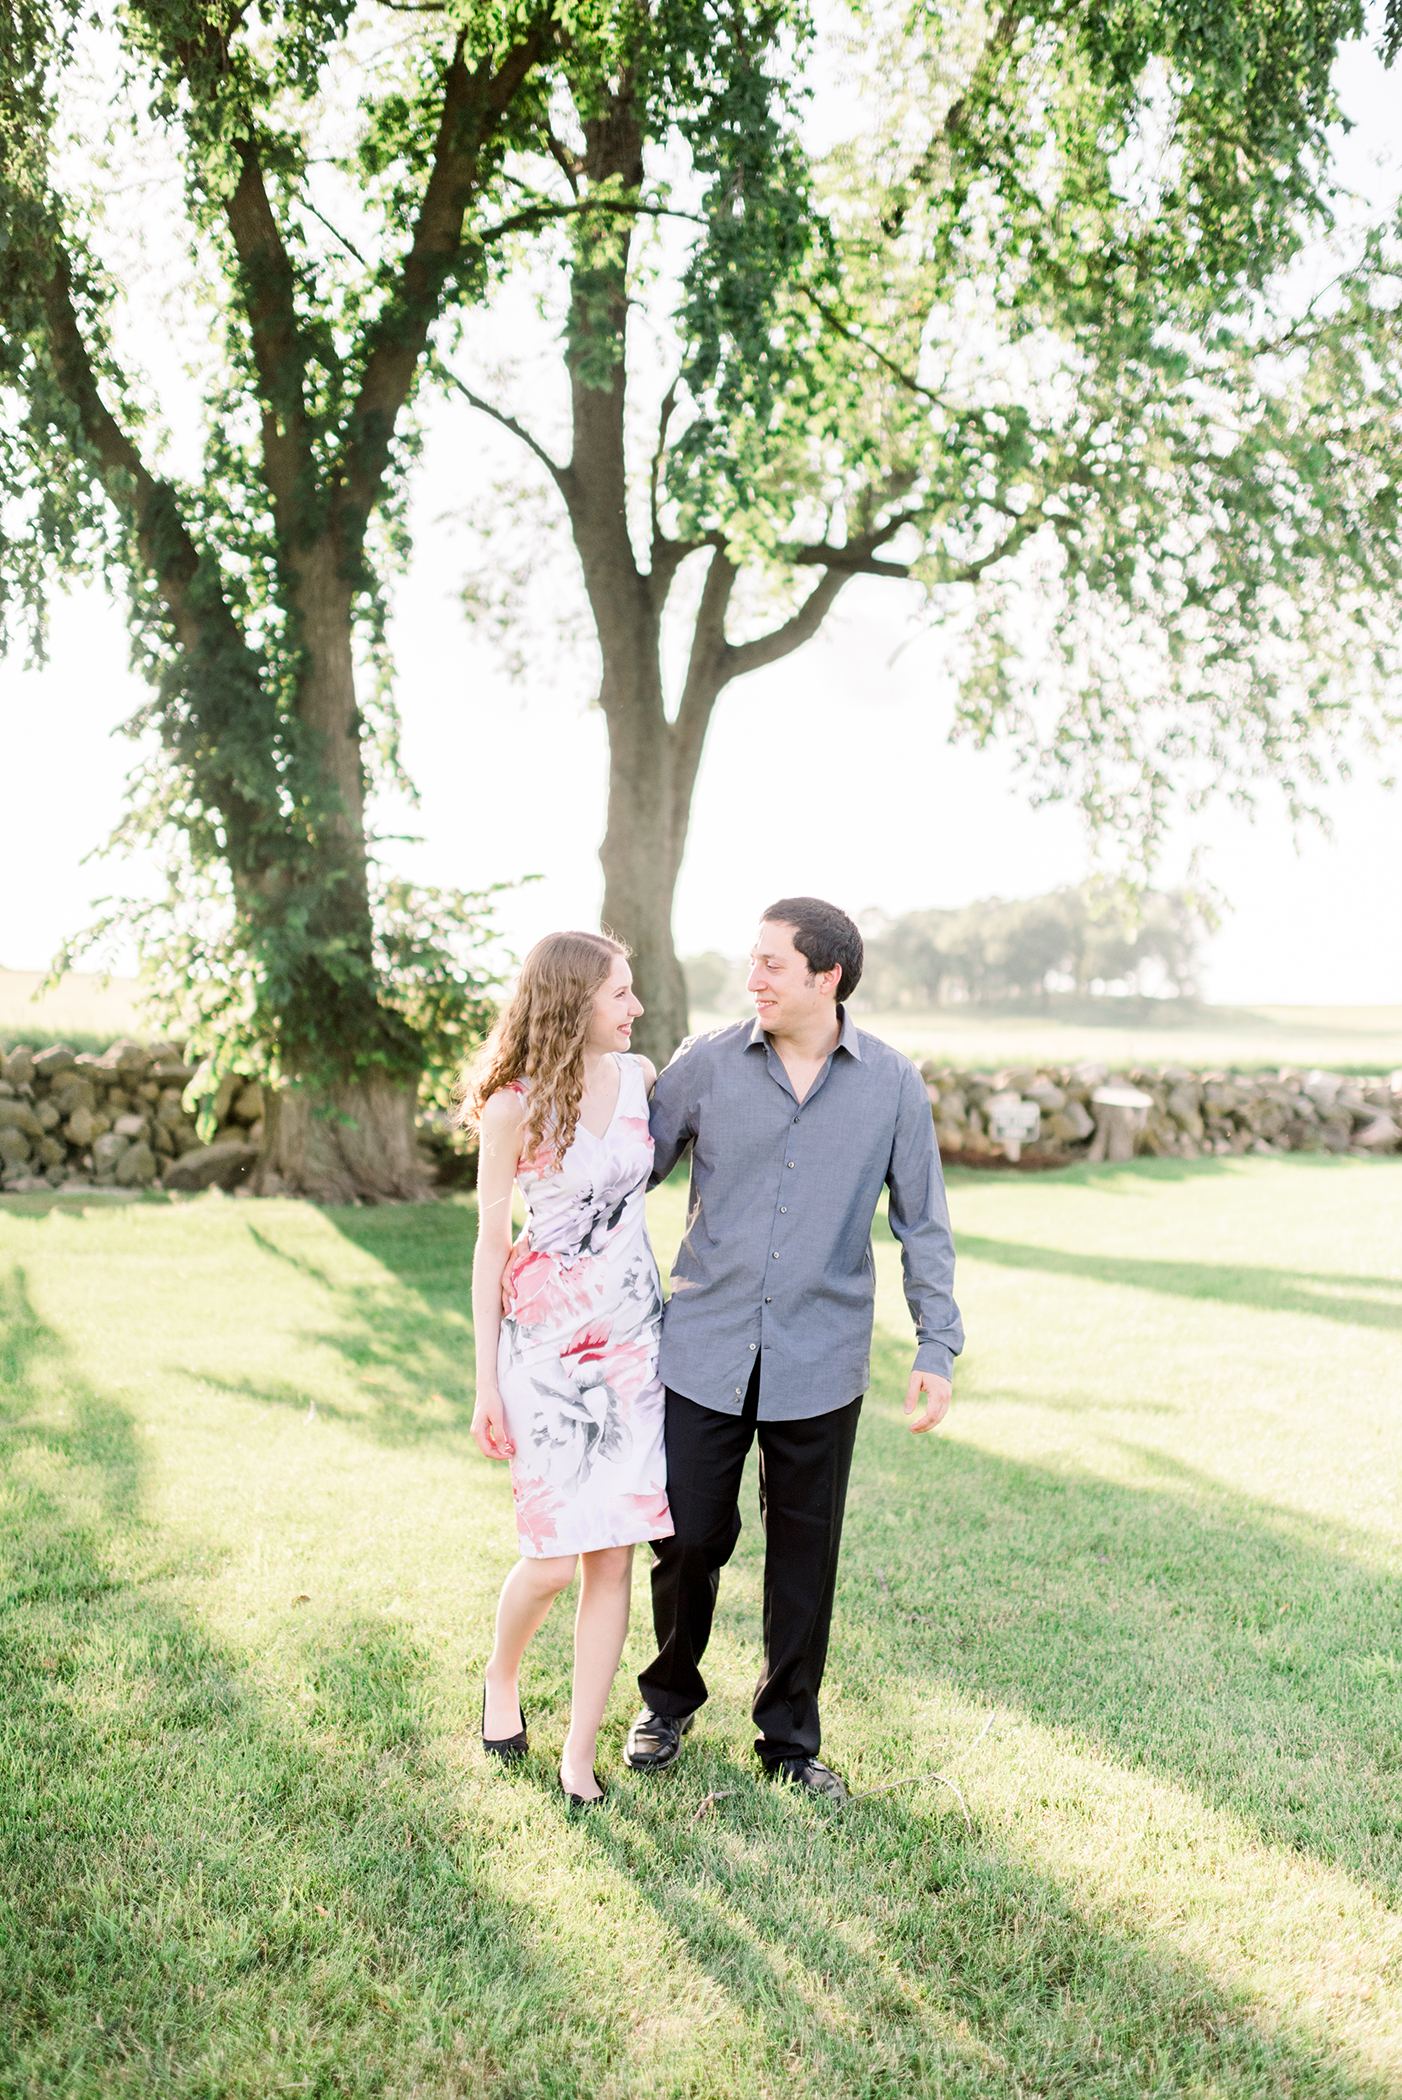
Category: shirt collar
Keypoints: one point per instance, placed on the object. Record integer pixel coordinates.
(848, 1038)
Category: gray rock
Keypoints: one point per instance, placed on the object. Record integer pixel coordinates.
(14, 1146)
(136, 1166)
(73, 1092)
(106, 1152)
(222, 1166)
(126, 1059)
(49, 1116)
(247, 1104)
(1089, 1074)
(18, 1115)
(57, 1058)
(1380, 1135)
(51, 1151)
(1182, 1105)
(131, 1126)
(19, 1066)
(169, 1071)
(81, 1127)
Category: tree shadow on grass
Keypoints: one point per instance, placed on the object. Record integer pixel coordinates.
(1316, 1292)
(205, 1889)
(1247, 1652)
(887, 1953)
(404, 1336)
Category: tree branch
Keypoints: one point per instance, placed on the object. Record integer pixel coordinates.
(708, 672)
(163, 539)
(474, 106)
(269, 288)
(801, 626)
(559, 475)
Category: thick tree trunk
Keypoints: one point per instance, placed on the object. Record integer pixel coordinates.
(346, 1144)
(641, 855)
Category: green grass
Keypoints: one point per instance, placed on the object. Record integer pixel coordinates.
(248, 1844)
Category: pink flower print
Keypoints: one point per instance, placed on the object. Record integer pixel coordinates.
(632, 1366)
(652, 1509)
(638, 1125)
(537, 1506)
(589, 1345)
(542, 1293)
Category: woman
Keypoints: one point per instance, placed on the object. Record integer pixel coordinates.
(567, 1385)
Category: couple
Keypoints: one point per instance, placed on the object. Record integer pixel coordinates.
(623, 1423)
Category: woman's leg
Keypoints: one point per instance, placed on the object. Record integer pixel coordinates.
(526, 1596)
(600, 1627)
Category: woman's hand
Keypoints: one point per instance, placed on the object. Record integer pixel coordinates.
(489, 1427)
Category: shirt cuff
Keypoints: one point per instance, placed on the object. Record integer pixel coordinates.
(937, 1357)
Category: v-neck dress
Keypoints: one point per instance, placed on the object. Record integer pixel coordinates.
(577, 1364)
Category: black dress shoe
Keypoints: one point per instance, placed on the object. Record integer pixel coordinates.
(807, 1772)
(509, 1748)
(655, 1740)
(578, 1803)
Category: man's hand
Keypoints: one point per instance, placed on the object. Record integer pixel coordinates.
(489, 1427)
(936, 1393)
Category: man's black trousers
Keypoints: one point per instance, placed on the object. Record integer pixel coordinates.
(803, 1469)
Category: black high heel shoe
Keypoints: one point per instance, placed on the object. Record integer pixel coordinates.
(509, 1748)
(578, 1803)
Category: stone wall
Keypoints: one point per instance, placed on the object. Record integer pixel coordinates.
(126, 1119)
(1187, 1115)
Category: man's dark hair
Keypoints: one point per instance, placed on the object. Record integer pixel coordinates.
(823, 936)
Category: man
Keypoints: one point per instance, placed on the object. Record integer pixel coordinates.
(795, 1123)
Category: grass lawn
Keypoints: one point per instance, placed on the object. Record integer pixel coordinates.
(248, 1842)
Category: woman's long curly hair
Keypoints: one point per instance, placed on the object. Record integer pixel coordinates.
(539, 1037)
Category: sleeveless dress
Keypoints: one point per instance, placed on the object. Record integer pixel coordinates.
(577, 1362)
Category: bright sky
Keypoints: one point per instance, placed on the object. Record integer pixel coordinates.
(828, 773)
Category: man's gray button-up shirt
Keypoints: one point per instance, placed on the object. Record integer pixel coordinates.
(864, 1123)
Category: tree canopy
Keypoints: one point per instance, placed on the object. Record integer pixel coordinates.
(1030, 337)
(1026, 336)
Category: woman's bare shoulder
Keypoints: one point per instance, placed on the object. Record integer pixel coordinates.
(647, 1068)
(503, 1113)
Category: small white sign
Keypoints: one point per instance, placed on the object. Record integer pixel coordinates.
(1012, 1121)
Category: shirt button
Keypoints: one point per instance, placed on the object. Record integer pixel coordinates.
(783, 1210)
(795, 1119)
(737, 1392)
(752, 1345)
(788, 1162)
(773, 1257)
(769, 1301)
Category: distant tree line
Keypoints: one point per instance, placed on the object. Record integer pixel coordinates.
(1070, 941)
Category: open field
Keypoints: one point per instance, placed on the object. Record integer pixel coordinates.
(1339, 1038)
(1349, 1038)
(248, 1843)
(82, 1011)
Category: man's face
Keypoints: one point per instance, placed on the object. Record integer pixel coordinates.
(785, 992)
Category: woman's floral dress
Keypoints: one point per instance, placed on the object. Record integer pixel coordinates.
(577, 1365)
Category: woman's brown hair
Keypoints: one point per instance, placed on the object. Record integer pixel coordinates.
(539, 1037)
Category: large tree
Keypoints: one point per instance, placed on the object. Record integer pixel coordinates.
(337, 167)
(1029, 338)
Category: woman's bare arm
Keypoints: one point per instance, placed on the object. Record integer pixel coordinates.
(500, 1150)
